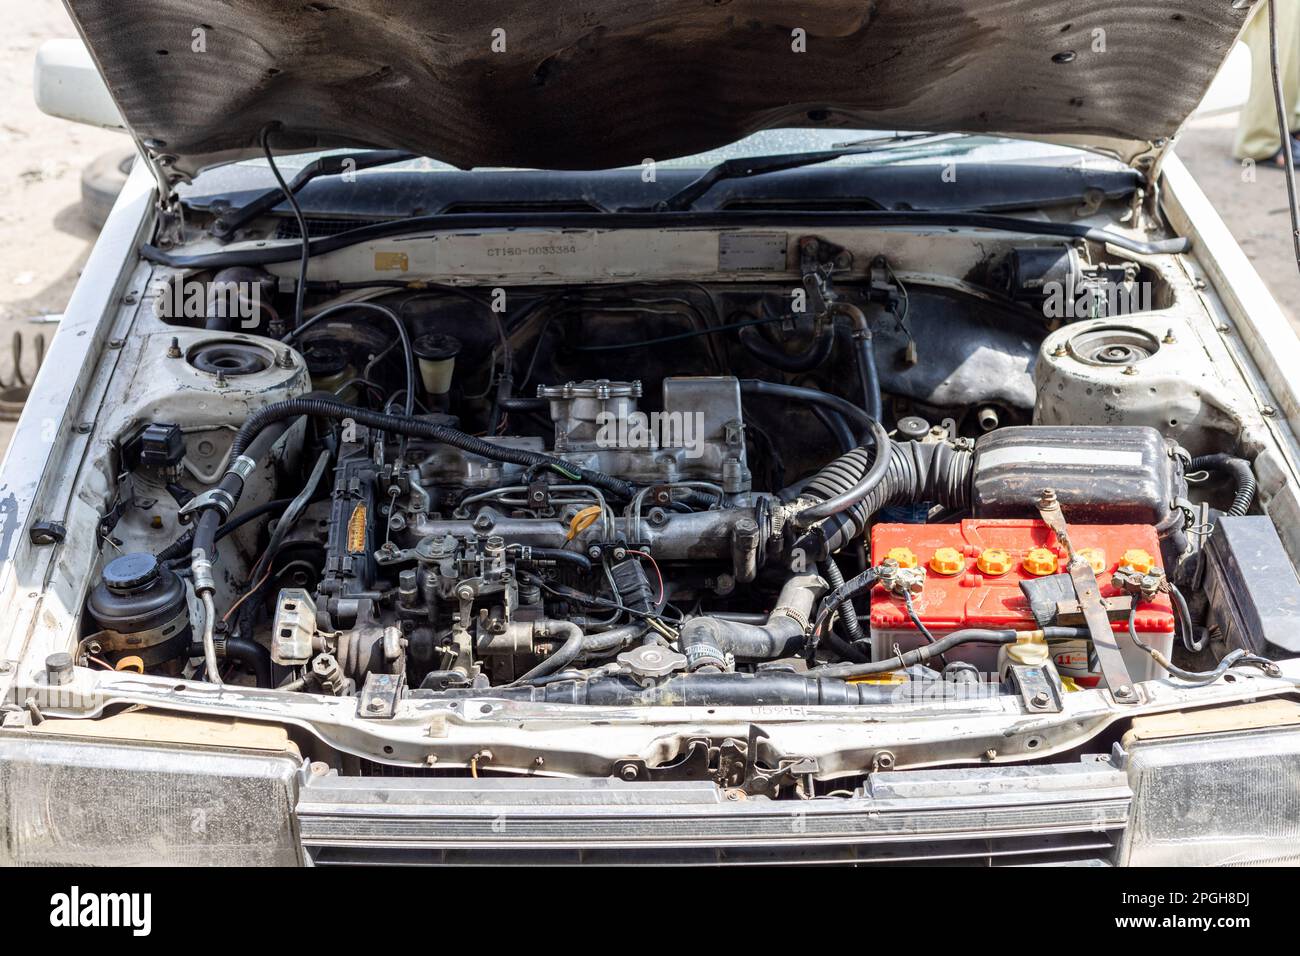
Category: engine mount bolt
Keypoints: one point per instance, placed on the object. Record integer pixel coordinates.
(1041, 699)
(629, 772)
(375, 704)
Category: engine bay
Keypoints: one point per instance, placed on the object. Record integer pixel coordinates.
(869, 486)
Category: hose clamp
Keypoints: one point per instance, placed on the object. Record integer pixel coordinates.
(217, 498)
(793, 614)
(241, 467)
(704, 655)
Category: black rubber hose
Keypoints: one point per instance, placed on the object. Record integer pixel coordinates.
(930, 651)
(560, 556)
(814, 356)
(859, 419)
(253, 656)
(419, 428)
(1240, 472)
(864, 352)
(578, 645)
(836, 425)
(870, 478)
(256, 447)
(181, 547)
(249, 653)
(707, 641)
(517, 404)
(408, 351)
(915, 472)
(868, 375)
(848, 613)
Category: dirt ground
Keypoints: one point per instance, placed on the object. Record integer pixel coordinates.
(44, 241)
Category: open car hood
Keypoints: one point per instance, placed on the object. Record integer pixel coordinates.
(588, 84)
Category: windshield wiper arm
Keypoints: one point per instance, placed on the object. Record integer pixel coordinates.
(335, 165)
(746, 166)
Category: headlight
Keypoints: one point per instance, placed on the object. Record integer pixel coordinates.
(1223, 799)
(67, 801)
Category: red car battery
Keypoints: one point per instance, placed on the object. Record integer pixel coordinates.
(973, 571)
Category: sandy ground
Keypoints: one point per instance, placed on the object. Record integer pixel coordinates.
(44, 241)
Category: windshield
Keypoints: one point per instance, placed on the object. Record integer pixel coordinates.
(969, 148)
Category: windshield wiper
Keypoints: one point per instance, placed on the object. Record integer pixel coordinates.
(747, 166)
(335, 165)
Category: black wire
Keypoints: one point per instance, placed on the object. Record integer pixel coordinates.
(300, 292)
(920, 626)
(388, 313)
(646, 343)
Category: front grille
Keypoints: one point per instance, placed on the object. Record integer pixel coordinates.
(956, 822)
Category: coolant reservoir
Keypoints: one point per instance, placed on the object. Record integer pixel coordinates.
(1030, 655)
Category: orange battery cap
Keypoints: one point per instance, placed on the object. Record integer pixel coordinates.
(1095, 557)
(1138, 560)
(994, 561)
(904, 557)
(1040, 562)
(947, 561)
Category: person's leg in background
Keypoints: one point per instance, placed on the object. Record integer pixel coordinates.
(1258, 136)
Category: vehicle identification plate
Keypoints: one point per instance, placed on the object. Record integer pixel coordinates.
(752, 251)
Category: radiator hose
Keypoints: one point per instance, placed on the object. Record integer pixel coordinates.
(706, 641)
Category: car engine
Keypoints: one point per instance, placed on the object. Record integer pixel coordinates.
(627, 494)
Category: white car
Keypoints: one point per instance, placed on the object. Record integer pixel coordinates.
(685, 437)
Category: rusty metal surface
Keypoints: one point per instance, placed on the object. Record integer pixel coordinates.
(600, 83)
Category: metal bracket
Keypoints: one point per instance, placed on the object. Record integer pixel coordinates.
(1039, 686)
(1095, 615)
(379, 696)
(1070, 613)
(212, 498)
(731, 765)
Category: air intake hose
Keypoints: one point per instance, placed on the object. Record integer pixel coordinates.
(937, 473)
